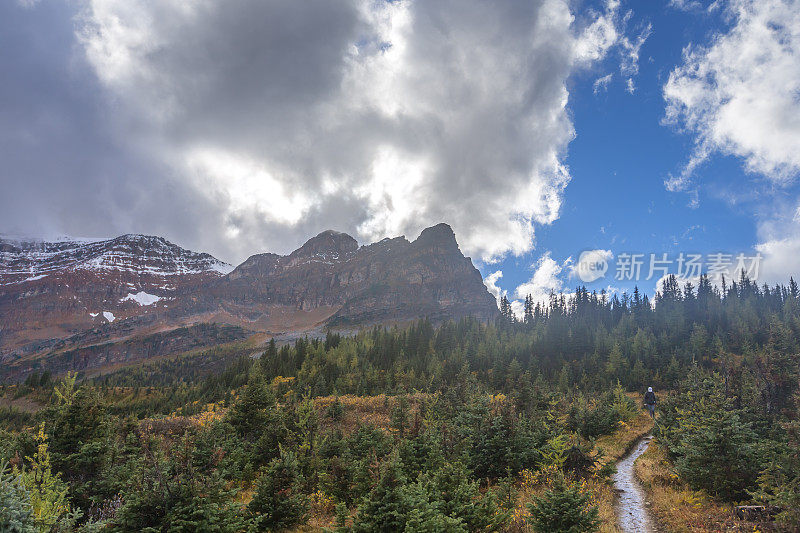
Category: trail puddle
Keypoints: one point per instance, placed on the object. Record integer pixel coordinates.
(632, 513)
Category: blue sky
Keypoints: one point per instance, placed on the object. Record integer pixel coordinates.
(623, 153)
(242, 126)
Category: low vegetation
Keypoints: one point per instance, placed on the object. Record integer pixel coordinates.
(511, 426)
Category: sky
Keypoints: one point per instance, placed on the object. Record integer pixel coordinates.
(566, 142)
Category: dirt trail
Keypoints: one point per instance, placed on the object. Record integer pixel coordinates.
(632, 513)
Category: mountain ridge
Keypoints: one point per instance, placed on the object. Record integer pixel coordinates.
(34, 257)
(136, 285)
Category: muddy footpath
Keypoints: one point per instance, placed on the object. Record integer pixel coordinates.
(632, 513)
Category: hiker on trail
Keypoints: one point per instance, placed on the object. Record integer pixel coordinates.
(650, 401)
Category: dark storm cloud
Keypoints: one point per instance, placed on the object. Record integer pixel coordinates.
(64, 169)
(239, 126)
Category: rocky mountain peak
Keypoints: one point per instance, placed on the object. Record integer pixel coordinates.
(441, 235)
(327, 245)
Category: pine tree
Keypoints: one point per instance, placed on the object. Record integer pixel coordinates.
(719, 454)
(528, 309)
(459, 498)
(506, 312)
(16, 512)
(425, 515)
(257, 419)
(386, 507)
(563, 508)
(279, 502)
(270, 356)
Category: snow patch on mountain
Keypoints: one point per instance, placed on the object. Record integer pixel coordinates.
(109, 316)
(222, 268)
(141, 298)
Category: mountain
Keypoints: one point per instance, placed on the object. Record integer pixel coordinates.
(22, 259)
(331, 280)
(73, 304)
(50, 291)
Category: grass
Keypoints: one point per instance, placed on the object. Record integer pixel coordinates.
(677, 507)
(373, 410)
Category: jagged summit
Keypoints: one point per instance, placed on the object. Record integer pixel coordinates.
(439, 235)
(329, 244)
(389, 280)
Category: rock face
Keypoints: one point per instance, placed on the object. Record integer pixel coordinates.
(73, 300)
(388, 281)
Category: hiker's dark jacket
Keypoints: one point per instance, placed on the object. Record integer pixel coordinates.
(650, 398)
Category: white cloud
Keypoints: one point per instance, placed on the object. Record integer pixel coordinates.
(609, 32)
(375, 118)
(739, 94)
(601, 83)
(781, 259)
(779, 241)
(601, 35)
(546, 279)
(629, 66)
(247, 184)
(695, 5)
(685, 5)
(490, 282)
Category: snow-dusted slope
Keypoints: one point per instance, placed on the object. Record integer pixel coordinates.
(51, 290)
(23, 259)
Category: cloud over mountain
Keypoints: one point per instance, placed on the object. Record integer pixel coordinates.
(380, 118)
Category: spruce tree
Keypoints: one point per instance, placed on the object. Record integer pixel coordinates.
(719, 454)
(563, 508)
(385, 509)
(279, 501)
(16, 512)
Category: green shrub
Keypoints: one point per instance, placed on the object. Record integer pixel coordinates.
(279, 501)
(719, 454)
(16, 512)
(563, 508)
